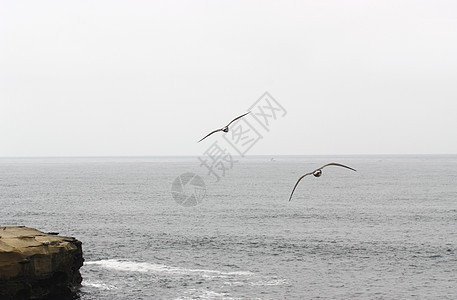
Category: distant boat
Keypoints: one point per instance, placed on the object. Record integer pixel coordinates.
(272, 159)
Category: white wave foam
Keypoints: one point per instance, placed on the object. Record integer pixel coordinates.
(144, 267)
(204, 294)
(98, 285)
(269, 282)
(235, 283)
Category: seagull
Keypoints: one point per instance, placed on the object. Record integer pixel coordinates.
(318, 173)
(225, 128)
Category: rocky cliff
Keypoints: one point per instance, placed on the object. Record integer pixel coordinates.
(36, 265)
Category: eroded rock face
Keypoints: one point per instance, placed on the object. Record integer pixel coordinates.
(36, 265)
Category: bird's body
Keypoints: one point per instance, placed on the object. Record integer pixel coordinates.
(318, 173)
(223, 129)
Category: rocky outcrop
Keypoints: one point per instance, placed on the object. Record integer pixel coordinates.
(36, 265)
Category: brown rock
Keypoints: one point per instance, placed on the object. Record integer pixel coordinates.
(36, 265)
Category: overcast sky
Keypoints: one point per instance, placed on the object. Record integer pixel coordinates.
(102, 78)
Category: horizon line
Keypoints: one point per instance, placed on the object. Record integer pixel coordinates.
(246, 156)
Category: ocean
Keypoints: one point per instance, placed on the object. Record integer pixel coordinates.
(387, 231)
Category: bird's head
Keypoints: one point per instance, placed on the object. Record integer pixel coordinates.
(317, 173)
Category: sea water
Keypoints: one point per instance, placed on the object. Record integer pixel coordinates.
(387, 231)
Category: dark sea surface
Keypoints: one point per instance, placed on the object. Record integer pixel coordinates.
(387, 231)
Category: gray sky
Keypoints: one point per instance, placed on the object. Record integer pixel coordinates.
(96, 78)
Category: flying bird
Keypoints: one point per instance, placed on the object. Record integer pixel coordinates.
(225, 128)
(318, 173)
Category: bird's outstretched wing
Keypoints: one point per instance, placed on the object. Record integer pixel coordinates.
(297, 184)
(209, 134)
(330, 164)
(237, 118)
(336, 164)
